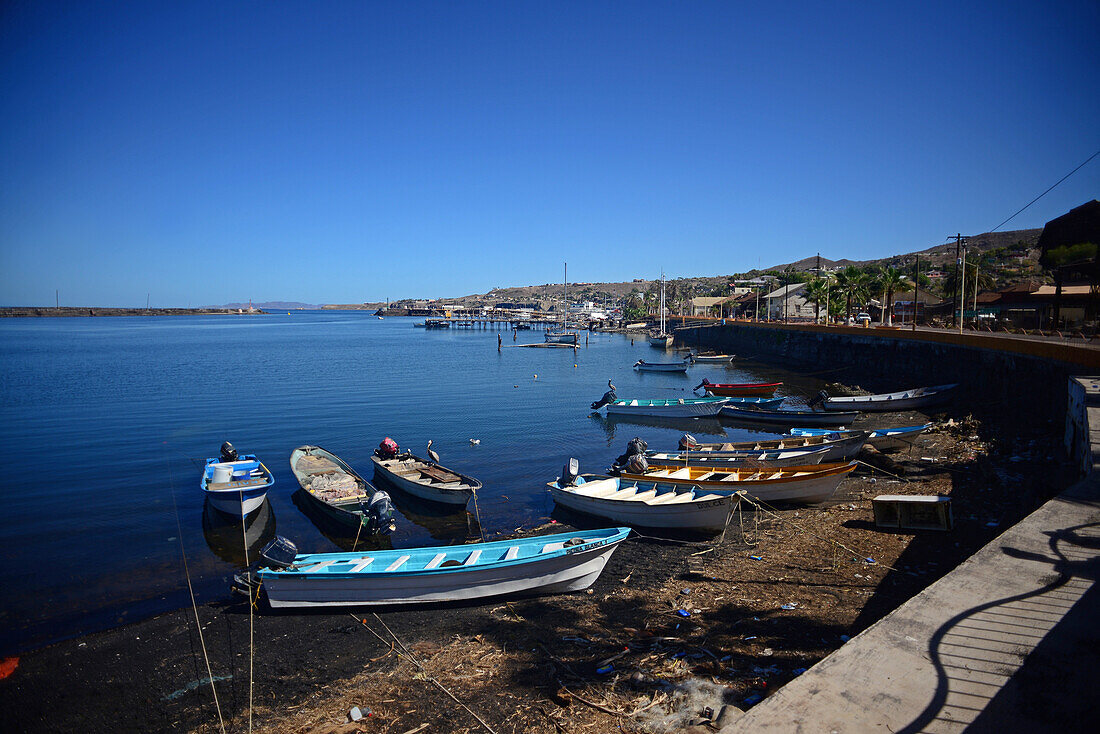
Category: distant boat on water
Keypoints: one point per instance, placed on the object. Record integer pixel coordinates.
(564, 336)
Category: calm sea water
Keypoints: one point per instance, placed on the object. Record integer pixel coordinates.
(107, 422)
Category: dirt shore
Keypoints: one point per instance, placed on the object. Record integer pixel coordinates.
(671, 626)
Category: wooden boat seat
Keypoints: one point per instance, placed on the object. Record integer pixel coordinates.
(512, 553)
(398, 563)
(243, 484)
(551, 547)
(473, 558)
(603, 492)
(438, 559)
(665, 498)
(361, 565)
(622, 493)
(704, 477)
(438, 474)
(317, 566)
(645, 495)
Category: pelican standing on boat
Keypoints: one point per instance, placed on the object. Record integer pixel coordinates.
(431, 454)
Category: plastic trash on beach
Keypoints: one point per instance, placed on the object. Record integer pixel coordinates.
(683, 612)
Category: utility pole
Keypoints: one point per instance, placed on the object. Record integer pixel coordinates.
(916, 289)
(958, 261)
(57, 299)
(962, 298)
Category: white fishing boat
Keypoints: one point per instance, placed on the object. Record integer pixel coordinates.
(662, 338)
(541, 564)
(919, 397)
(883, 439)
(715, 358)
(815, 483)
(424, 478)
(644, 366)
(643, 504)
(564, 336)
(783, 457)
(678, 408)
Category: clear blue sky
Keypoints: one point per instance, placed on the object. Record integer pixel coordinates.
(334, 152)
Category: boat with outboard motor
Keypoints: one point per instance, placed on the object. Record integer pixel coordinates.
(423, 478)
(235, 484)
(543, 564)
(333, 489)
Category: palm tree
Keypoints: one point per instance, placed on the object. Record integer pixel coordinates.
(853, 284)
(817, 293)
(891, 281)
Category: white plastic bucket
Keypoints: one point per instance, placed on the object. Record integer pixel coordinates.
(222, 473)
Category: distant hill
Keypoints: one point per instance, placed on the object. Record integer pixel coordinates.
(273, 306)
(1011, 256)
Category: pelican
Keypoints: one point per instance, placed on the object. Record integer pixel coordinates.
(475, 441)
(431, 454)
(610, 385)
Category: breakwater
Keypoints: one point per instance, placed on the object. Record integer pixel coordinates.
(1001, 376)
(24, 311)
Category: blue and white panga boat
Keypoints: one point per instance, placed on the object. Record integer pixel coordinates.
(883, 439)
(677, 408)
(236, 485)
(542, 564)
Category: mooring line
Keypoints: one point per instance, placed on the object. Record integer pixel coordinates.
(194, 605)
(251, 648)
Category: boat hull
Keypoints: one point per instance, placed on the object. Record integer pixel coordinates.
(557, 338)
(237, 498)
(920, 397)
(794, 457)
(842, 448)
(693, 408)
(816, 484)
(661, 366)
(457, 497)
(883, 439)
(762, 389)
(563, 570)
(714, 358)
(707, 512)
(662, 342)
(790, 417)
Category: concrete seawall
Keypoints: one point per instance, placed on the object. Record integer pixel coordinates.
(999, 375)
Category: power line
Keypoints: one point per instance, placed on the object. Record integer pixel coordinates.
(1040, 196)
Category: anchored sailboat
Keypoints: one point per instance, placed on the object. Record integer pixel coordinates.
(662, 338)
(563, 336)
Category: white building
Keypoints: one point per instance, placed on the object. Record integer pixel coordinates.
(789, 302)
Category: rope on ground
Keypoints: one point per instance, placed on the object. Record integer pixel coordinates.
(403, 652)
(477, 514)
(251, 647)
(767, 509)
(194, 605)
(875, 468)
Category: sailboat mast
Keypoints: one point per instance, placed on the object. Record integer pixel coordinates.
(565, 305)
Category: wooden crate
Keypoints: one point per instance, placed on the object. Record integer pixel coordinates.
(913, 512)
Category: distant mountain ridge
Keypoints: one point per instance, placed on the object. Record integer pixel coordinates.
(273, 305)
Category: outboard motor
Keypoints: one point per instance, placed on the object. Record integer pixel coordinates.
(279, 553)
(704, 383)
(569, 473)
(228, 452)
(818, 399)
(387, 449)
(636, 447)
(637, 464)
(687, 442)
(608, 397)
(379, 513)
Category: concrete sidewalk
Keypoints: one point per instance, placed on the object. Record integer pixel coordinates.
(1008, 641)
